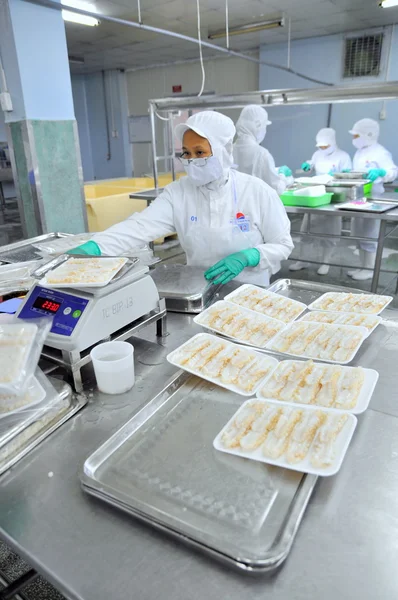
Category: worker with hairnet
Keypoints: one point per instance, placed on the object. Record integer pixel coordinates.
(229, 223)
(327, 159)
(253, 159)
(377, 164)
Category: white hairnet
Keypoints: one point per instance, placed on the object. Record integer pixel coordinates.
(218, 129)
(326, 137)
(367, 128)
(253, 119)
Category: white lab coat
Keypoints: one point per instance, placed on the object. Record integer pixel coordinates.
(372, 157)
(183, 206)
(323, 162)
(253, 159)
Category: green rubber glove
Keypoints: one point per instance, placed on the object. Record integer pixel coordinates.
(228, 268)
(374, 174)
(285, 171)
(90, 248)
(306, 166)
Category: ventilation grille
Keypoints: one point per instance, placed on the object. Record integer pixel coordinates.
(363, 55)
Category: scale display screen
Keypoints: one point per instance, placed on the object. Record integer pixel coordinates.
(47, 305)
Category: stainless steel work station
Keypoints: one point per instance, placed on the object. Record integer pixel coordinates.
(271, 471)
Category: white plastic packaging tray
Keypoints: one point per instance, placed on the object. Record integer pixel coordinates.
(271, 345)
(341, 445)
(16, 343)
(11, 404)
(299, 306)
(370, 380)
(262, 359)
(318, 304)
(95, 272)
(245, 313)
(341, 318)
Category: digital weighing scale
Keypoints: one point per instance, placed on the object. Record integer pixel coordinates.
(84, 317)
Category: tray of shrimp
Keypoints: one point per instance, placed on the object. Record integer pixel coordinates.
(87, 272)
(267, 303)
(331, 343)
(236, 368)
(239, 323)
(306, 439)
(340, 318)
(318, 384)
(371, 304)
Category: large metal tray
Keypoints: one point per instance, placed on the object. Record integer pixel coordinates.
(184, 288)
(25, 250)
(161, 467)
(23, 431)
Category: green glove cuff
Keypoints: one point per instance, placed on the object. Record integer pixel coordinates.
(90, 248)
(253, 256)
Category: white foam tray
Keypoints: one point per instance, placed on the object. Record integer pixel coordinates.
(233, 388)
(364, 331)
(307, 318)
(316, 305)
(246, 311)
(364, 398)
(82, 284)
(342, 443)
(266, 293)
(38, 394)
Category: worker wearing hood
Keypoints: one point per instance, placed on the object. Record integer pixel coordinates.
(327, 159)
(229, 223)
(374, 160)
(253, 159)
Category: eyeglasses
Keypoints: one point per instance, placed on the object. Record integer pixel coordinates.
(199, 162)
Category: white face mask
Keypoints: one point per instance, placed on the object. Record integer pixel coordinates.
(202, 174)
(261, 134)
(360, 143)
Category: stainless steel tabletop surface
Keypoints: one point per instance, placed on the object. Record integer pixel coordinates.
(346, 547)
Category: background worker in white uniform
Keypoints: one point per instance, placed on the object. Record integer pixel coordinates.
(377, 163)
(328, 159)
(227, 222)
(253, 159)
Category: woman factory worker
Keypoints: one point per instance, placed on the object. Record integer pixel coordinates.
(328, 159)
(373, 159)
(227, 222)
(253, 159)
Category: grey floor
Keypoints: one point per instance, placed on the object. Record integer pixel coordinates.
(11, 565)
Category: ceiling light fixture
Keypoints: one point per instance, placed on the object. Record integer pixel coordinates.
(250, 28)
(388, 3)
(73, 17)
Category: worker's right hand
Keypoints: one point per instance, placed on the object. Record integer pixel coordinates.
(306, 166)
(90, 248)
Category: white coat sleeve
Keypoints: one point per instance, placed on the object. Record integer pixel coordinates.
(345, 163)
(264, 168)
(275, 229)
(141, 228)
(386, 162)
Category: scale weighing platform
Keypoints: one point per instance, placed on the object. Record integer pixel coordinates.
(83, 318)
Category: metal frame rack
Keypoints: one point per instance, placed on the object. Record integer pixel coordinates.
(289, 97)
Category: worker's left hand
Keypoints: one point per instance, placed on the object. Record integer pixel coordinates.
(228, 268)
(285, 171)
(374, 174)
(90, 248)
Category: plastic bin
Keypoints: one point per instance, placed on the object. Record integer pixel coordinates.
(106, 211)
(367, 189)
(289, 199)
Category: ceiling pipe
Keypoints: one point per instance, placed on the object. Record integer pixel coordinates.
(180, 36)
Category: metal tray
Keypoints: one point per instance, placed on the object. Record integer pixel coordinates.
(306, 291)
(161, 467)
(25, 430)
(25, 250)
(184, 288)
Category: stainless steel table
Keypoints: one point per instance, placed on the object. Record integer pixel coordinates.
(346, 546)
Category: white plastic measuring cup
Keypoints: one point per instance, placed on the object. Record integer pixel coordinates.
(113, 364)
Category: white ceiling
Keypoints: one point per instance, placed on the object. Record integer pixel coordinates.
(112, 45)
